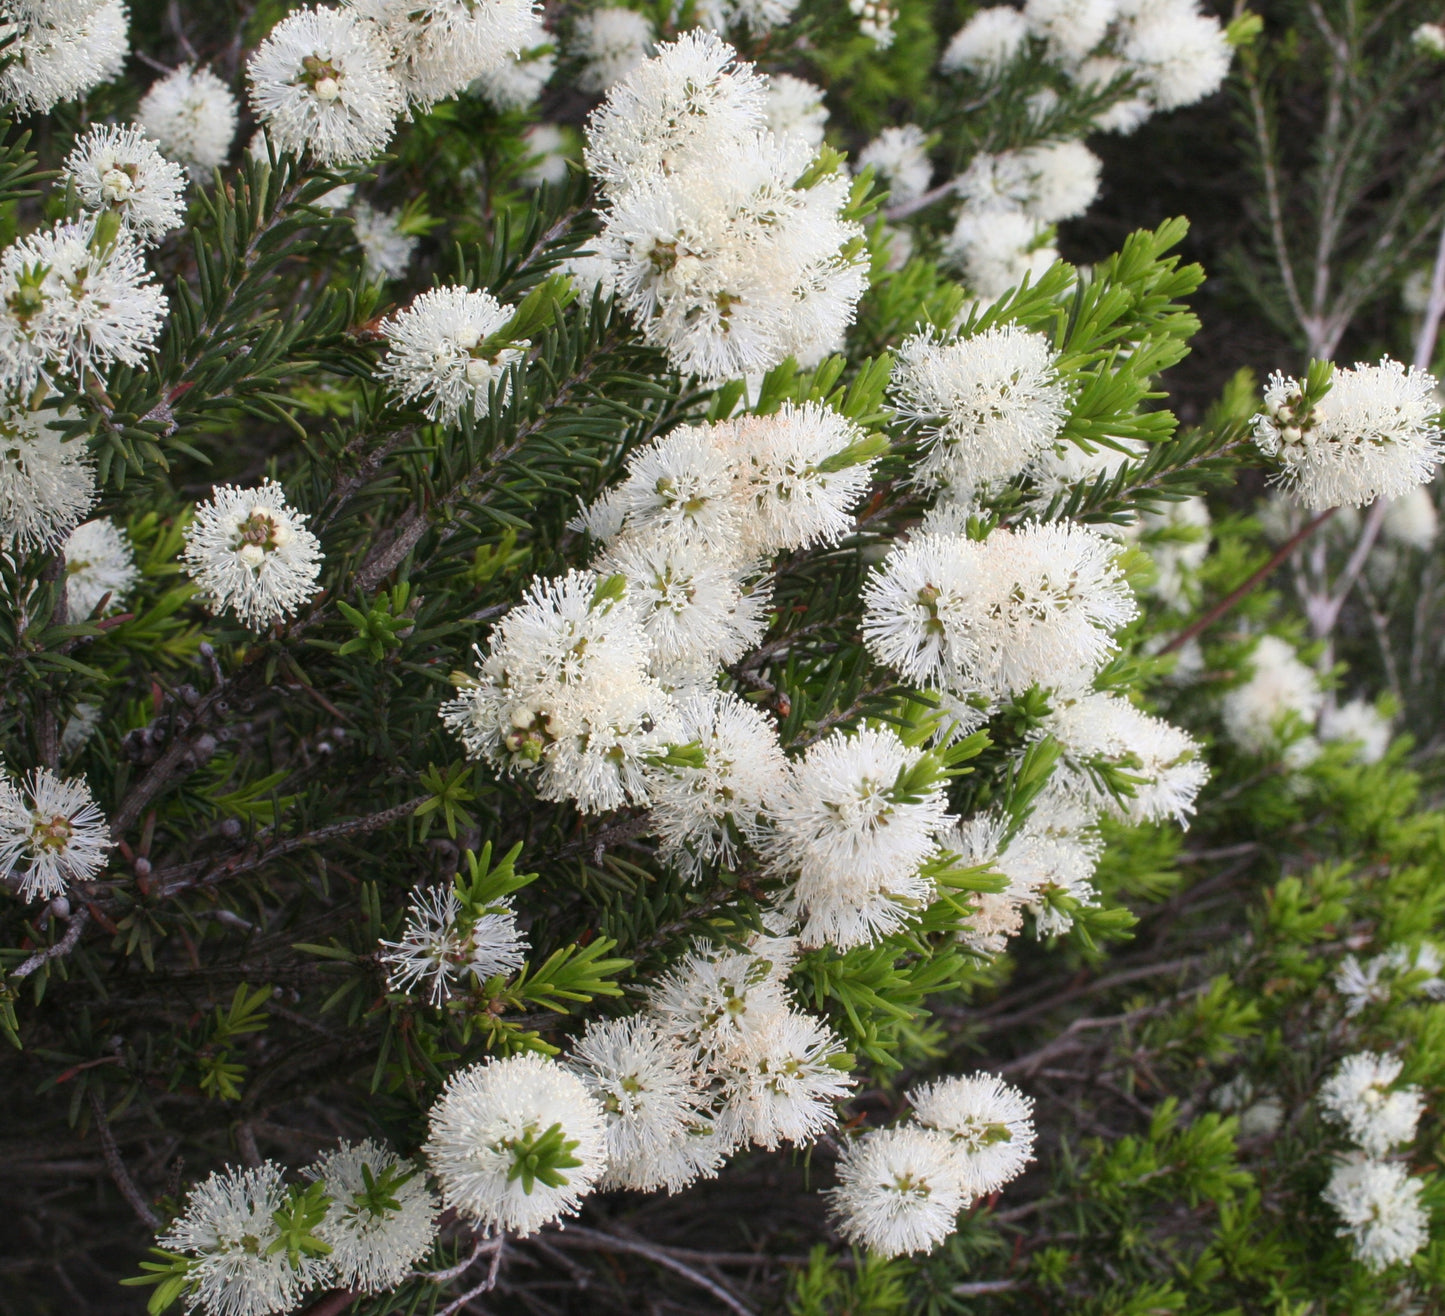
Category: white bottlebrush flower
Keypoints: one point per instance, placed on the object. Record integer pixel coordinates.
(321, 83)
(227, 1231)
(985, 406)
(563, 691)
(58, 55)
(386, 250)
(439, 46)
(920, 605)
(516, 84)
(1165, 765)
(1179, 54)
(1361, 1097)
(1059, 597)
(757, 16)
(1358, 722)
(1411, 520)
(1372, 982)
(1049, 182)
(898, 1190)
(51, 833)
(682, 488)
(248, 551)
(658, 1132)
(382, 1217)
(442, 945)
(710, 1001)
(1071, 28)
(700, 813)
(46, 482)
(900, 157)
(121, 171)
(99, 561)
(989, 1123)
(610, 42)
(690, 98)
(796, 479)
(1279, 685)
(725, 264)
(780, 1082)
(516, 1143)
(439, 353)
(987, 43)
(547, 156)
(1055, 855)
(192, 114)
(795, 106)
(695, 609)
(852, 828)
(1375, 434)
(1379, 1205)
(997, 916)
(1429, 38)
(996, 249)
(67, 307)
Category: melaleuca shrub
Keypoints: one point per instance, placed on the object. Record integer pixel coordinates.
(607, 658)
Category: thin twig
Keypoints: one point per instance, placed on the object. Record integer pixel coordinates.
(116, 1165)
(1234, 596)
(577, 1235)
(63, 947)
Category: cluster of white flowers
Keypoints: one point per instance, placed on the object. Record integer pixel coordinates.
(57, 50)
(900, 1189)
(47, 483)
(99, 564)
(516, 1143)
(794, 108)
(1377, 1201)
(239, 1264)
(445, 941)
(333, 82)
(1009, 202)
(986, 406)
(900, 158)
(122, 172)
(1162, 53)
(380, 1220)
(1168, 52)
(192, 114)
(71, 303)
(1374, 981)
(1359, 723)
(854, 825)
(1162, 766)
(590, 680)
(1033, 606)
(610, 42)
(1280, 695)
(248, 551)
(444, 350)
(1375, 434)
(724, 259)
(51, 833)
(386, 248)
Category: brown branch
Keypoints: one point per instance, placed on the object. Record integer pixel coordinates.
(63, 947)
(116, 1165)
(1228, 602)
(597, 1240)
(182, 877)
